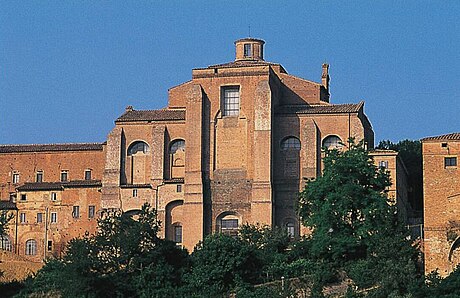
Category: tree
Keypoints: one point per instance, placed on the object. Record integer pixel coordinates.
(355, 231)
(124, 258)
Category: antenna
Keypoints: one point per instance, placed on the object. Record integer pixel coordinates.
(249, 30)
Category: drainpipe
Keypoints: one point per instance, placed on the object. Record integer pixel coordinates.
(46, 233)
(16, 232)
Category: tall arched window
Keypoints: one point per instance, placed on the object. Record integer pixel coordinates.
(290, 143)
(177, 158)
(5, 243)
(332, 142)
(31, 247)
(228, 223)
(290, 229)
(138, 146)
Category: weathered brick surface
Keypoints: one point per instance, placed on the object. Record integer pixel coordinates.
(441, 186)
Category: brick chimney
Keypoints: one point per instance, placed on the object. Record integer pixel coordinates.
(325, 76)
(249, 49)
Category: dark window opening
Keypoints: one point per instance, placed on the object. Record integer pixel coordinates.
(450, 162)
(87, 174)
(178, 234)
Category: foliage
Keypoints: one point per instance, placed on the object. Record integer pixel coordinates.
(411, 154)
(5, 218)
(124, 258)
(355, 232)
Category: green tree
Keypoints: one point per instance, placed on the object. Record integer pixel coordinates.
(125, 258)
(355, 232)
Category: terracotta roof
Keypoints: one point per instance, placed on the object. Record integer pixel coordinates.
(242, 63)
(320, 109)
(447, 137)
(7, 205)
(174, 180)
(51, 147)
(152, 115)
(58, 185)
(136, 186)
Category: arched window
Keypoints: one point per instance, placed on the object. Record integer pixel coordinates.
(138, 146)
(290, 229)
(5, 243)
(177, 227)
(228, 223)
(332, 142)
(290, 143)
(31, 247)
(176, 145)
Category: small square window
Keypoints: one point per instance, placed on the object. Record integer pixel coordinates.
(383, 164)
(91, 211)
(15, 178)
(22, 217)
(450, 162)
(53, 217)
(87, 174)
(39, 176)
(76, 211)
(64, 176)
(134, 193)
(39, 217)
(23, 197)
(444, 145)
(179, 188)
(53, 196)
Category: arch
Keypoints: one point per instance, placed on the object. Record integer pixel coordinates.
(173, 220)
(228, 223)
(453, 248)
(31, 247)
(5, 243)
(332, 142)
(177, 158)
(138, 146)
(175, 145)
(290, 227)
(290, 143)
(134, 213)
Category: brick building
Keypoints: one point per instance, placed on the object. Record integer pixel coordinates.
(441, 184)
(235, 145)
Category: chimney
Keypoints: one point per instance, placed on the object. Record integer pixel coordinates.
(325, 76)
(129, 109)
(249, 49)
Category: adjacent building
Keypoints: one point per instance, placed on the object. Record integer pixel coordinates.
(441, 185)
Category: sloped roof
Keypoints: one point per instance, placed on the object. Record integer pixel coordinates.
(243, 63)
(51, 147)
(320, 109)
(152, 115)
(7, 205)
(447, 137)
(29, 186)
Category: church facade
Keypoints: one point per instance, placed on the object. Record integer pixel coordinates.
(234, 145)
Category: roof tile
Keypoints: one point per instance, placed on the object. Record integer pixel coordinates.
(320, 109)
(51, 147)
(447, 137)
(152, 115)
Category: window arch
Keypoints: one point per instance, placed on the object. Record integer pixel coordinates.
(176, 145)
(332, 142)
(228, 223)
(31, 247)
(138, 146)
(290, 143)
(5, 243)
(290, 229)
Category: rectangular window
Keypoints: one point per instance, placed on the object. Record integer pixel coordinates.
(383, 164)
(53, 196)
(76, 212)
(64, 176)
(23, 197)
(39, 217)
(134, 193)
(39, 176)
(22, 218)
(178, 234)
(230, 101)
(450, 162)
(15, 178)
(229, 224)
(87, 174)
(179, 188)
(50, 245)
(247, 50)
(53, 217)
(91, 211)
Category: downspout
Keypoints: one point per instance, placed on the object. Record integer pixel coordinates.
(46, 233)
(16, 232)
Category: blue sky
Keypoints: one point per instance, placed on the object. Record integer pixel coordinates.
(69, 68)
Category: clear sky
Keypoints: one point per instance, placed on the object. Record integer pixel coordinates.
(68, 69)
